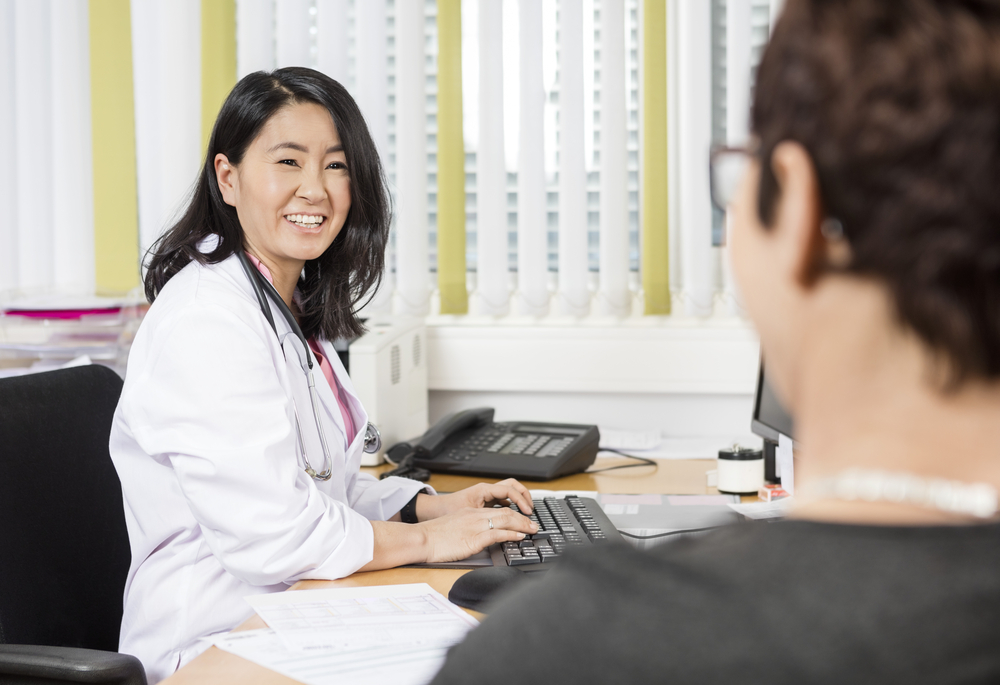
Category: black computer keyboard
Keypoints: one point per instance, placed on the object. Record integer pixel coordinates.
(562, 524)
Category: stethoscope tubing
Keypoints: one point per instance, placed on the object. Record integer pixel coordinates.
(259, 284)
(373, 439)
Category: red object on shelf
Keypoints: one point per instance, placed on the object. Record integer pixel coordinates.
(61, 313)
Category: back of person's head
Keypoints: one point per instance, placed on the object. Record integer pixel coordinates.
(898, 104)
(353, 265)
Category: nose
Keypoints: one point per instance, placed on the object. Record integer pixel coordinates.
(311, 188)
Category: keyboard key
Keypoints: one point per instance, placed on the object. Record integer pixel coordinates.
(523, 561)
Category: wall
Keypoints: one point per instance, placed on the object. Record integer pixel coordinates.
(692, 381)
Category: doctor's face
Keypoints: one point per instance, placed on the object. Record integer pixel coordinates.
(292, 190)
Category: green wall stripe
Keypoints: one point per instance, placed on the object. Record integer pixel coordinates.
(116, 213)
(451, 161)
(218, 60)
(655, 236)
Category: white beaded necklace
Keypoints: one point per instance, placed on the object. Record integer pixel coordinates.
(979, 500)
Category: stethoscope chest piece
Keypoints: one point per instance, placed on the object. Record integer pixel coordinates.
(373, 439)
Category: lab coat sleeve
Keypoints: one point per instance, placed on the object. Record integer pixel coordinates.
(379, 500)
(211, 403)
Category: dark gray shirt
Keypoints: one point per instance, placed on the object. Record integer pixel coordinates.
(790, 602)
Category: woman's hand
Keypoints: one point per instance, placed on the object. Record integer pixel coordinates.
(476, 497)
(451, 537)
(463, 533)
(454, 526)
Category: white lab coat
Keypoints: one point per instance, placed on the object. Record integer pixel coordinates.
(216, 500)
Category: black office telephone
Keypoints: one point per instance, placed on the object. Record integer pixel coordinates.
(470, 443)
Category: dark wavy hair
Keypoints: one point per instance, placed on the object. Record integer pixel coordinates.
(898, 104)
(335, 282)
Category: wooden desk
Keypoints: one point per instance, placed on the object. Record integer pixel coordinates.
(681, 477)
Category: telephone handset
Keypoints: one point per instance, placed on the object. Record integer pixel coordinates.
(470, 443)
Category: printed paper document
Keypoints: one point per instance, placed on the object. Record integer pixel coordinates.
(386, 634)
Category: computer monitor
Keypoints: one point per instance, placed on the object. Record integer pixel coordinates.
(769, 417)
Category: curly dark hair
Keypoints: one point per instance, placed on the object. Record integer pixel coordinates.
(335, 282)
(898, 104)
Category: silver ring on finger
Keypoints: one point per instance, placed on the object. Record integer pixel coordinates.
(490, 521)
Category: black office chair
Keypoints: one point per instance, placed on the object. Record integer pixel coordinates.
(64, 549)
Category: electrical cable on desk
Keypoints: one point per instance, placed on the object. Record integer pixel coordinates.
(643, 461)
(401, 456)
(663, 535)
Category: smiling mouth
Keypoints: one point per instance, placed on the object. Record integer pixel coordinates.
(307, 221)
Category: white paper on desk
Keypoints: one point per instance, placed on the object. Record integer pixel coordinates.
(401, 665)
(363, 618)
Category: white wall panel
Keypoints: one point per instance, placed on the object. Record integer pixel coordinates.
(33, 142)
(674, 236)
(254, 36)
(146, 56)
(291, 35)
(412, 276)
(371, 78)
(632, 358)
(739, 63)
(492, 280)
(8, 137)
(72, 161)
(574, 293)
(695, 138)
(739, 69)
(371, 91)
(333, 39)
(614, 295)
(532, 247)
(166, 57)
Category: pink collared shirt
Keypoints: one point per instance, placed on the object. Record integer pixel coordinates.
(324, 365)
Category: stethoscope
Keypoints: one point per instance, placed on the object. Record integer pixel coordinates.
(373, 440)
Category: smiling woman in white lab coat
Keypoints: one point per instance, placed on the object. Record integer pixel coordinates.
(235, 480)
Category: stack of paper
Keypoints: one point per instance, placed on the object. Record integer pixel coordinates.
(387, 634)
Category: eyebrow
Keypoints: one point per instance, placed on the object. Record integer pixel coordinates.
(302, 148)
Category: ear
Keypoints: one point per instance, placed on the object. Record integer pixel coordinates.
(226, 176)
(799, 211)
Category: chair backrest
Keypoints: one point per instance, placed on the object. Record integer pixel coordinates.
(64, 549)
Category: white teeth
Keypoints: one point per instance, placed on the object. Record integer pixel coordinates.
(305, 219)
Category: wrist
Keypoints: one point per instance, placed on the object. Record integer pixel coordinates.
(428, 506)
(425, 544)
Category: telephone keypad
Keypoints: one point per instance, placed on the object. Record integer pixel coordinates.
(499, 444)
(499, 439)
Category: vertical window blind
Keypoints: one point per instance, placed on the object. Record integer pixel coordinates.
(547, 157)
